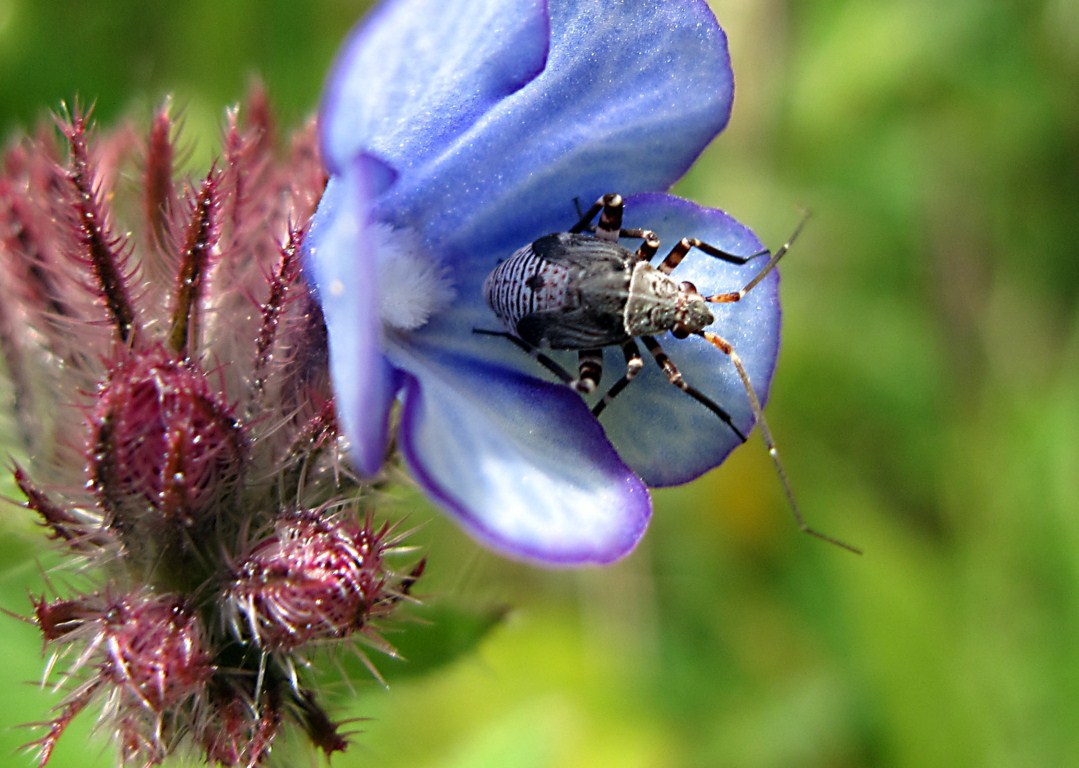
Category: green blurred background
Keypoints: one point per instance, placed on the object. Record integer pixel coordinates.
(926, 406)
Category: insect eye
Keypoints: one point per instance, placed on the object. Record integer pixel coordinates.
(688, 287)
(679, 331)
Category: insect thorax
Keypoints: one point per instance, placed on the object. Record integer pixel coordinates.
(657, 303)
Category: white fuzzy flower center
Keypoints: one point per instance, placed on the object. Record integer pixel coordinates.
(412, 283)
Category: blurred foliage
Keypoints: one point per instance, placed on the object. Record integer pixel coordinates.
(127, 54)
(927, 407)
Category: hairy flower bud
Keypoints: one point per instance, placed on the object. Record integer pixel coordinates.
(154, 651)
(313, 578)
(167, 451)
(149, 650)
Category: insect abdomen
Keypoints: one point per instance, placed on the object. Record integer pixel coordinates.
(565, 291)
(524, 284)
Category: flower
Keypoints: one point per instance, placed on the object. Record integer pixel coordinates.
(204, 504)
(456, 132)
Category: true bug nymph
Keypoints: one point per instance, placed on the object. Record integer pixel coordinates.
(582, 290)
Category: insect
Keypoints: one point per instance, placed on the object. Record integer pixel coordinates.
(582, 290)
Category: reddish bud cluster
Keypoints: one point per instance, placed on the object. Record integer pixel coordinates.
(175, 324)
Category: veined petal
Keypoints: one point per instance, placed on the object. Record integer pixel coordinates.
(631, 94)
(667, 437)
(520, 462)
(418, 73)
(343, 269)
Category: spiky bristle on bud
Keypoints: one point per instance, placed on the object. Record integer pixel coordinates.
(175, 324)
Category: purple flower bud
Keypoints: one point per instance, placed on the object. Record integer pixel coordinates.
(166, 449)
(154, 652)
(148, 651)
(313, 578)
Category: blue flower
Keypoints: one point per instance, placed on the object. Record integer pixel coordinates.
(456, 131)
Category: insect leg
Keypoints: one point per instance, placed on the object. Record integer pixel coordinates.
(726, 298)
(590, 365)
(565, 376)
(674, 258)
(648, 248)
(754, 402)
(585, 221)
(589, 370)
(609, 207)
(633, 367)
(675, 377)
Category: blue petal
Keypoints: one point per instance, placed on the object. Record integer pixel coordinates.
(520, 462)
(420, 72)
(663, 434)
(631, 94)
(343, 271)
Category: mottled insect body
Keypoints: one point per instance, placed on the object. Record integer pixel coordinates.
(579, 291)
(582, 290)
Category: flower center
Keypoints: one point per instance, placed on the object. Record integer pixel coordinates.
(413, 283)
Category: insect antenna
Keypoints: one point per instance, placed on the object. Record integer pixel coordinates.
(726, 298)
(758, 413)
